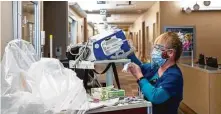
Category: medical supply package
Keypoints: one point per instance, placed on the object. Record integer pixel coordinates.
(110, 45)
(105, 93)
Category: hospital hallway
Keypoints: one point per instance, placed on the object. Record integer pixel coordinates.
(54, 53)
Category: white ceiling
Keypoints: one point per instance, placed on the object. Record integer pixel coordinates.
(133, 11)
(115, 18)
(110, 5)
(119, 18)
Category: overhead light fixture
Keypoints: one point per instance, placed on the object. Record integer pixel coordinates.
(196, 7)
(206, 3)
(101, 2)
(188, 10)
(203, 5)
(129, 3)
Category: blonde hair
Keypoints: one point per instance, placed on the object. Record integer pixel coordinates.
(171, 41)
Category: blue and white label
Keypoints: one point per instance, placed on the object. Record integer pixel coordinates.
(96, 46)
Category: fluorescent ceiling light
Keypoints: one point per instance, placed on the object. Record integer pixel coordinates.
(92, 5)
(101, 2)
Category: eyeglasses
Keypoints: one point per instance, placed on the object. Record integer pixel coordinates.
(161, 47)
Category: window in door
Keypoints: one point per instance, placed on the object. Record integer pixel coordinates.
(26, 22)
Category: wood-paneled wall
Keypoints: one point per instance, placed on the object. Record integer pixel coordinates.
(202, 90)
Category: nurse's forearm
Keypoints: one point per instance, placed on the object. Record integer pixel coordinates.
(154, 95)
(144, 67)
(134, 59)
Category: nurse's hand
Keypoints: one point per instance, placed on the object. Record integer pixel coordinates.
(135, 70)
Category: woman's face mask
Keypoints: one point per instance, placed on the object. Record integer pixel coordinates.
(156, 57)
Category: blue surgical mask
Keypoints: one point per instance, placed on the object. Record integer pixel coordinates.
(156, 58)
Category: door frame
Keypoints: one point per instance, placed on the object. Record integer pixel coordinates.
(17, 23)
(143, 44)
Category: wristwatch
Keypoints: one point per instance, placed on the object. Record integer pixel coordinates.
(140, 79)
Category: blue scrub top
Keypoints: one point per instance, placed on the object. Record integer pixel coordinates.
(165, 92)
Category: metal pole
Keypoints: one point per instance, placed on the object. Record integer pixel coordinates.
(19, 24)
(51, 46)
(15, 19)
(109, 77)
(140, 94)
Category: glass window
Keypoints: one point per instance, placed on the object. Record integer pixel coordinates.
(26, 21)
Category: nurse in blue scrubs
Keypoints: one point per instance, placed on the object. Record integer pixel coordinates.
(161, 81)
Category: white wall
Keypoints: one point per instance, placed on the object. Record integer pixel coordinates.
(90, 31)
(0, 28)
(149, 17)
(6, 24)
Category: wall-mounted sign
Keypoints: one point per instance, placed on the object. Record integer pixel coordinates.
(103, 12)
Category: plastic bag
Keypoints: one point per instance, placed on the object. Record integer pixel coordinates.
(18, 57)
(58, 87)
(33, 86)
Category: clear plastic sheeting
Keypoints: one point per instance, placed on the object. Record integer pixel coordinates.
(30, 85)
(58, 87)
(18, 57)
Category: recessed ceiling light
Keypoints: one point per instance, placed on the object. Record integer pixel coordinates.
(90, 10)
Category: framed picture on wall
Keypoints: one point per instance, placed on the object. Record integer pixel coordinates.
(187, 36)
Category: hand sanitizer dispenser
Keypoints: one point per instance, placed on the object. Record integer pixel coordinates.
(58, 51)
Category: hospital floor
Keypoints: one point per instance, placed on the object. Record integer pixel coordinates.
(129, 84)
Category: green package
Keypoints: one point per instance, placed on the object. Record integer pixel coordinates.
(106, 93)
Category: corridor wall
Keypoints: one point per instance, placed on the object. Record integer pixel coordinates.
(149, 17)
(6, 24)
(207, 24)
